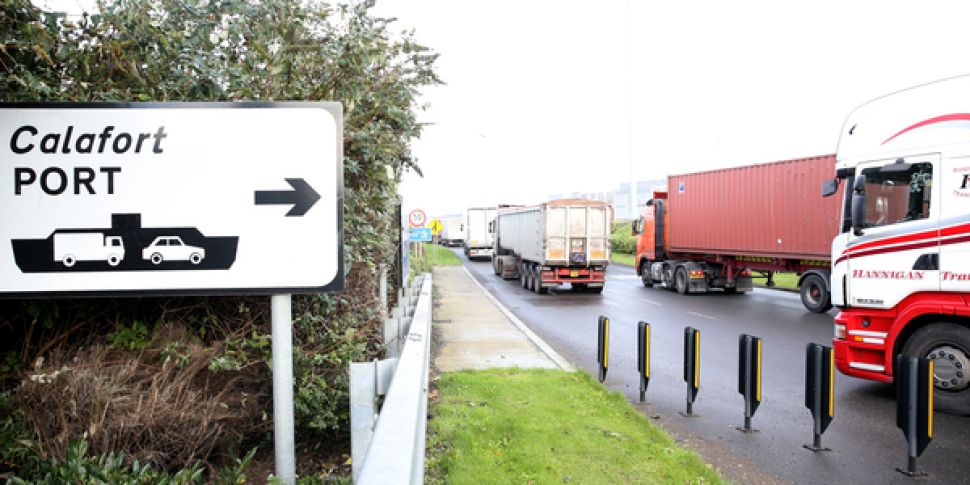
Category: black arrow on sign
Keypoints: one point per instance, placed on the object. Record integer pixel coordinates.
(302, 197)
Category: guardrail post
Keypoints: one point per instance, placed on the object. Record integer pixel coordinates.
(749, 377)
(914, 407)
(603, 346)
(643, 357)
(692, 367)
(819, 390)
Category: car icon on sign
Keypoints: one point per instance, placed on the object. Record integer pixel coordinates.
(171, 248)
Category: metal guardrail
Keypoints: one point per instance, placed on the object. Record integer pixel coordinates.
(387, 445)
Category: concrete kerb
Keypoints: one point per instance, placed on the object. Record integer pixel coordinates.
(554, 356)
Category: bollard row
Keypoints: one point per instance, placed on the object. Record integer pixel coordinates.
(914, 385)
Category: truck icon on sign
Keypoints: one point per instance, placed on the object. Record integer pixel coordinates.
(125, 246)
(71, 247)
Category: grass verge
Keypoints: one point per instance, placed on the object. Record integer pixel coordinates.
(431, 255)
(622, 258)
(788, 281)
(548, 426)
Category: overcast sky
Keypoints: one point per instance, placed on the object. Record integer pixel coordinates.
(556, 96)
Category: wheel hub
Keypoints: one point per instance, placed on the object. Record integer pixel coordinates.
(950, 366)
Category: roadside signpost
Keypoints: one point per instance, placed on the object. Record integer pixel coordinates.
(419, 234)
(173, 199)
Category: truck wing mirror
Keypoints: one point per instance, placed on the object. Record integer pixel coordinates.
(858, 204)
(830, 187)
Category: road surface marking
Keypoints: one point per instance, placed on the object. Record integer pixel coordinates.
(623, 277)
(652, 302)
(702, 315)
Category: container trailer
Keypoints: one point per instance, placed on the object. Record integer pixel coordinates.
(560, 241)
(710, 230)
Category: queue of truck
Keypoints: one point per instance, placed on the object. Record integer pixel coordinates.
(886, 241)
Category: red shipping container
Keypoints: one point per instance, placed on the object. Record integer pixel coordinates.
(773, 210)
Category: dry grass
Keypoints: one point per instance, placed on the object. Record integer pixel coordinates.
(155, 408)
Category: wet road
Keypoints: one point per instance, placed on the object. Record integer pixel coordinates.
(866, 445)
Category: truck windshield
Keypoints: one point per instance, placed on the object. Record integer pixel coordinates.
(898, 196)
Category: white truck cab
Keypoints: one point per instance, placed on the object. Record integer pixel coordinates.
(901, 264)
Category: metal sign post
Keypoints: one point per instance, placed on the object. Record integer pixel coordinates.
(282, 315)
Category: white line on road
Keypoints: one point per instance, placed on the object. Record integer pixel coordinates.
(651, 302)
(702, 315)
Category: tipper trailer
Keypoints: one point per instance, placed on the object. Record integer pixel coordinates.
(711, 229)
(478, 237)
(560, 241)
(901, 262)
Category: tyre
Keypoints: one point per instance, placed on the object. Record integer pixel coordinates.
(195, 258)
(680, 280)
(814, 295)
(68, 260)
(523, 279)
(156, 259)
(537, 282)
(948, 344)
(645, 275)
(496, 268)
(113, 260)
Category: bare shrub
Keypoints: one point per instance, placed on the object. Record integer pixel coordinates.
(160, 407)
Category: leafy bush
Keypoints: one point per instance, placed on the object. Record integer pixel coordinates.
(622, 239)
(219, 50)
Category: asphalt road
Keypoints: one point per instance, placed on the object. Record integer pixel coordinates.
(866, 445)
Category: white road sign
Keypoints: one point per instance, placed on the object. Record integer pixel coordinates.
(170, 198)
(417, 218)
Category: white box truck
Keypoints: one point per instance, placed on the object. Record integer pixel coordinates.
(478, 236)
(452, 230)
(560, 241)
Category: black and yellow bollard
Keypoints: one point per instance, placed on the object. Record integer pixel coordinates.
(914, 407)
(643, 357)
(819, 390)
(692, 367)
(749, 376)
(603, 347)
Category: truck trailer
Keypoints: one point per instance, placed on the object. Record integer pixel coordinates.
(711, 229)
(901, 260)
(452, 230)
(560, 241)
(478, 237)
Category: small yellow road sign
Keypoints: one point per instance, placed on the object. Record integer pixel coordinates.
(436, 226)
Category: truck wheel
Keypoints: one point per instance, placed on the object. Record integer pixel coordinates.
(948, 344)
(645, 275)
(523, 279)
(537, 281)
(68, 260)
(156, 259)
(496, 266)
(195, 258)
(680, 280)
(113, 260)
(814, 295)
